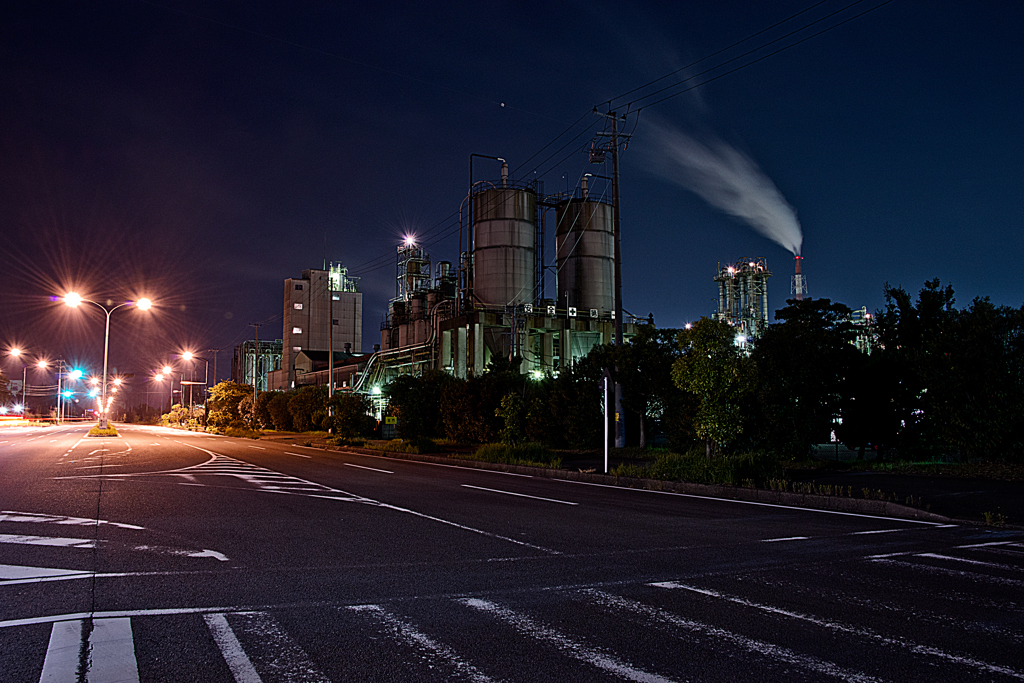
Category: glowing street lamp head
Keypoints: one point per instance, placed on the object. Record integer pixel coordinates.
(72, 299)
(167, 369)
(117, 381)
(158, 377)
(41, 364)
(144, 304)
(15, 351)
(187, 355)
(75, 374)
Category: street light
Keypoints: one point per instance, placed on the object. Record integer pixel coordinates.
(16, 352)
(73, 299)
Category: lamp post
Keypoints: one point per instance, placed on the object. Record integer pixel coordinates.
(16, 352)
(73, 300)
(189, 356)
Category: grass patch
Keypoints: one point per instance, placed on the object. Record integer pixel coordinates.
(528, 454)
(243, 433)
(694, 466)
(109, 431)
(346, 441)
(1001, 471)
(416, 446)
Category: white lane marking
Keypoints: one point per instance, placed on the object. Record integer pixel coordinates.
(259, 448)
(234, 656)
(110, 647)
(275, 651)
(878, 531)
(112, 652)
(11, 572)
(459, 467)
(660, 617)
(964, 559)
(156, 444)
(97, 467)
(301, 455)
(436, 654)
(521, 495)
(162, 550)
(752, 502)
(789, 538)
(24, 539)
(61, 662)
(363, 467)
(572, 648)
(843, 628)
(986, 545)
(32, 517)
(932, 569)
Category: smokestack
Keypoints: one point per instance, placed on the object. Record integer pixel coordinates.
(504, 173)
(799, 284)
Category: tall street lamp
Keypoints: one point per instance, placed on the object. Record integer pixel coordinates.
(73, 300)
(16, 352)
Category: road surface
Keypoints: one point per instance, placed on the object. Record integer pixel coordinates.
(169, 556)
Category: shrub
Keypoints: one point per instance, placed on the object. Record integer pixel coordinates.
(528, 454)
(695, 467)
(420, 445)
(109, 431)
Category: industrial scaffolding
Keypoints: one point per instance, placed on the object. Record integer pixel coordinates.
(743, 297)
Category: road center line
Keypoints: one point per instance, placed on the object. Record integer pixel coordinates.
(298, 454)
(260, 448)
(521, 495)
(363, 467)
(788, 538)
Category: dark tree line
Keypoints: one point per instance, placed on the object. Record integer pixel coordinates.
(939, 382)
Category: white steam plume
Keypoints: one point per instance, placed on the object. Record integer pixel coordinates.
(731, 181)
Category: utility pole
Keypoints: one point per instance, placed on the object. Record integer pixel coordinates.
(255, 364)
(214, 352)
(620, 425)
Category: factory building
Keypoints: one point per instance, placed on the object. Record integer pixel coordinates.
(253, 361)
(318, 305)
(495, 303)
(743, 297)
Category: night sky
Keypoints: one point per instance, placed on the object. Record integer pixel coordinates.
(199, 153)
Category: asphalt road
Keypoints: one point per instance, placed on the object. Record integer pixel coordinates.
(169, 556)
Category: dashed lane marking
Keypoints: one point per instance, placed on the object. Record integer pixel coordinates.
(520, 495)
(363, 467)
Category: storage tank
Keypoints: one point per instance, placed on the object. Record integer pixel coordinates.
(504, 244)
(585, 248)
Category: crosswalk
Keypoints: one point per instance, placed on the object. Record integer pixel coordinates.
(865, 622)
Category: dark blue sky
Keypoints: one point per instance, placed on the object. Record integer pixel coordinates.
(200, 152)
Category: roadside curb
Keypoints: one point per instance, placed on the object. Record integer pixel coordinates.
(803, 500)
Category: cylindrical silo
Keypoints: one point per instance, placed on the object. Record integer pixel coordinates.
(504, 245)
(585, 248)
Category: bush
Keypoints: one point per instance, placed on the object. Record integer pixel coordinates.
(109, 431)
(242, 432)
(346, 441)
(420, 445)
(528, 454)
(695, 467)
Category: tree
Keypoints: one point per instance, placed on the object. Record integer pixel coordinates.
(277, 407)
(223, 403)
(351, 415)
(805, 363)
(712, 368)
(308, 407)
(416, 402)
(959, 374)
(6, 398)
